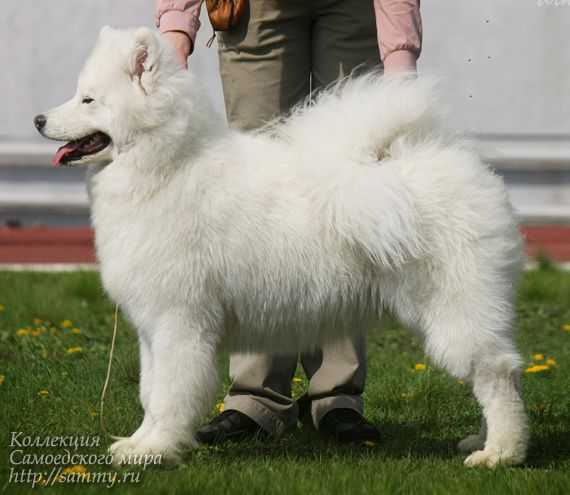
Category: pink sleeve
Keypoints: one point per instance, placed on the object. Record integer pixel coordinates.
(399, 27)
(178, 15)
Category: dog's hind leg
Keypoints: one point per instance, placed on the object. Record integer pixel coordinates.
(180, 391)
(496, 387)
(492, 365)
(466, 321)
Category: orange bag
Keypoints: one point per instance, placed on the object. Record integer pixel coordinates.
(225, 14)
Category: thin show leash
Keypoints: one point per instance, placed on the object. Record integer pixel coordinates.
(108, 377)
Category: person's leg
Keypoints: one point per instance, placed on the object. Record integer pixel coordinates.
(265, 62)
(261, 389)
(265, 69)
(343, 40)
(336, 373)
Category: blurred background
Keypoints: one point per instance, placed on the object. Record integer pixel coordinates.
(505, 75)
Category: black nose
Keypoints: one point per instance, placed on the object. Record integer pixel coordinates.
(40, 122)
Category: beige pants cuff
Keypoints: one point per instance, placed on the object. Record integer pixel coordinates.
(272, 423)
(322, 406)
(275, 425)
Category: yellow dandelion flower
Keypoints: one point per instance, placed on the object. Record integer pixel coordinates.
(22, 332)
(2, 379)
(566, 327)
(36, 332)
(37, 322)
(461, 382)
(73, 350)
(66, 324)
(76, 330)
(296, 379)
(43, 393)
(220, 407)
(2, 308)
(538, 357)
(551, 362)
(94, 413)
(420, 367)
(537, 368)
(77, 468)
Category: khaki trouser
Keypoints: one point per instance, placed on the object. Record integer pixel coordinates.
(282, 50)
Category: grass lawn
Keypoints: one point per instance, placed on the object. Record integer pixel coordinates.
(51, 374)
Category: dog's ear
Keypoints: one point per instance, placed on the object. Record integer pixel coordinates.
(144, 59)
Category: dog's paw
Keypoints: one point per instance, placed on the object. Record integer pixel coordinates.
(471, 444)
(122, 450)
(156, 448)
(492, 458)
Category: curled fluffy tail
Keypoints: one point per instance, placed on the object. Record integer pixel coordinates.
(362, 114)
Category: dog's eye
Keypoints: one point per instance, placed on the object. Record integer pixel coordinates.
(87, 100)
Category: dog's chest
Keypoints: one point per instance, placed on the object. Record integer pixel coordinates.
(141, 249)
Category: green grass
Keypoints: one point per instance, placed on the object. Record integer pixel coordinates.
(421, 414)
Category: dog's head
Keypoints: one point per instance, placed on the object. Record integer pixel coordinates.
(118, 97)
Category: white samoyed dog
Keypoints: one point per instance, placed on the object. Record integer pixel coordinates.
(286, 238)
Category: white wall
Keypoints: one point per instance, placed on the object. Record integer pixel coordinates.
(505, 63)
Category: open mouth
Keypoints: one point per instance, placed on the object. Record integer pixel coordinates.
(77, 149)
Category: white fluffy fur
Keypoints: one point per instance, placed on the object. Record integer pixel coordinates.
(291, 236)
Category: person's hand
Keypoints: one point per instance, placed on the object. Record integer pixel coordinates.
(182, 45)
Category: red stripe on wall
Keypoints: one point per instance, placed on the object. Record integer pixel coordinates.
(75, 245)
(46, 245)
(550, 240)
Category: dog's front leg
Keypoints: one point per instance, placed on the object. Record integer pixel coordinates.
(145, 383)
(180, 391)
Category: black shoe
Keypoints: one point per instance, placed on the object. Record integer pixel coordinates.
(229, 425)
(348, 426)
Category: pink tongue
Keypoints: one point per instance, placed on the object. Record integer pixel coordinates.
(61, 153)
